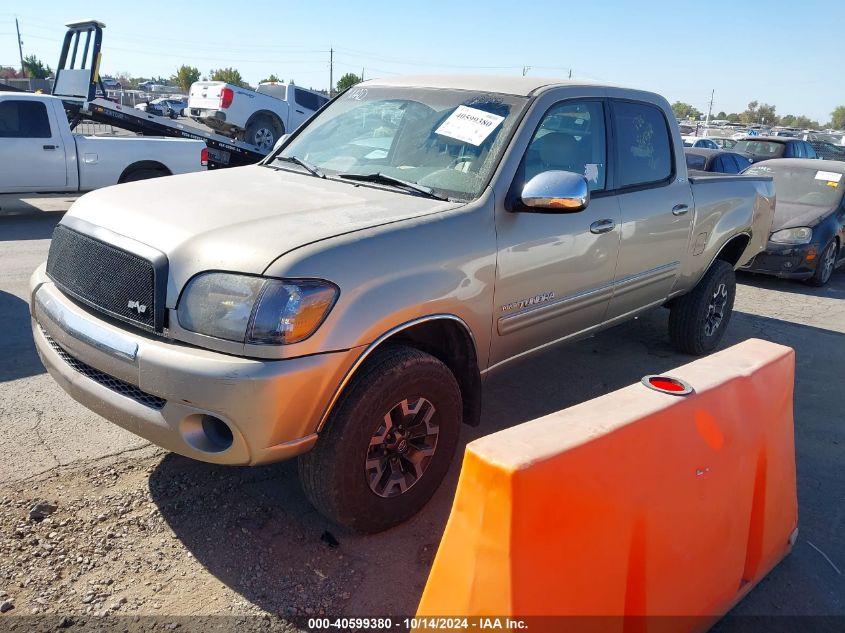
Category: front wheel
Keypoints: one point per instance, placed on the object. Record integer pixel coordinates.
(825, 266)
(388, 443)
(698, 320)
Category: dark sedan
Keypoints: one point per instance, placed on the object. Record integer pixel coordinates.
(808, 231)
(759, 148)
(715, 160)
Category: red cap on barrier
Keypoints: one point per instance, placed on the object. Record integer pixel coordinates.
(667, 384)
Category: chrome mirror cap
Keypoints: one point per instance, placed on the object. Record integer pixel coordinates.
(561, 191)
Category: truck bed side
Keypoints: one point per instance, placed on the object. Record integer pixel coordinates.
(726, 206)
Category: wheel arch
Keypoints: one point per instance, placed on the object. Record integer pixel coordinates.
(145, 164)
(733, 249)
(275, 118)
(446, 337)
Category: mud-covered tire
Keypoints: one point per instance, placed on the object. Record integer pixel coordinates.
(825, 266)
(340, 475)
(698, 319)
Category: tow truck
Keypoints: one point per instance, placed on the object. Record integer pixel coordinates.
(76, 84)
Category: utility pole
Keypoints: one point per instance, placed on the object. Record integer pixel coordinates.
(709, 109)
(331, 72)
(525, 70)
(570, 73)
(20, 48)
(362, 73)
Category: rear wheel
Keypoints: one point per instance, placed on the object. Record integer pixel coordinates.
(389, 442)
(263, 133)
(825, 265)
(698, 319)
(141, 174)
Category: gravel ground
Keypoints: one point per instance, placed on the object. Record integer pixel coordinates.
(158, 542)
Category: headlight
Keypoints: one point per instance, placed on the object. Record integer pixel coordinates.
(255, 309)
(799, 235)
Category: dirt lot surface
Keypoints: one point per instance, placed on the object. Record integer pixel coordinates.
(131, 530)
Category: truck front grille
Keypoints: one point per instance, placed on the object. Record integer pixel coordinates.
(104, 379)
(124, 285)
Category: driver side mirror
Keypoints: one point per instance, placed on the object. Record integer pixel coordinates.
(556, 192)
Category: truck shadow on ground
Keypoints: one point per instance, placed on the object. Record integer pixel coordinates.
(253, 529)
(18, 358)
(38, 226)
(834, 289)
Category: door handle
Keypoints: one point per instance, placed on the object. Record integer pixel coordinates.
(679, 209)
(50, 146)
(602, 226)
(300, 112)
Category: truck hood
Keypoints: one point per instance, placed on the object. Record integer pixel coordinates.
(241, 219)
(790, 214)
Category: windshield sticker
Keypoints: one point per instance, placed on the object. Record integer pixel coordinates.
(829, 176)
(357, 94)
(469, 125)
(591, 172)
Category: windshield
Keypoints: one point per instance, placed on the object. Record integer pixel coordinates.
(448, 141)
(803, 185)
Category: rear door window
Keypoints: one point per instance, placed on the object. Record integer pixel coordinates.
(307, 99)
(643, 145)
(24, 119)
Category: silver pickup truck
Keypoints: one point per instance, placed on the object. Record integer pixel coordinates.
(345, 299)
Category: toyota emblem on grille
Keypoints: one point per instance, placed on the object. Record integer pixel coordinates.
(137, 305)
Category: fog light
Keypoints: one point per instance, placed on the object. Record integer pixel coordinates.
(811, 254)
(206, 433)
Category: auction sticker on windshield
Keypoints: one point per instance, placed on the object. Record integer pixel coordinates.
(831, 177)
(469, 125)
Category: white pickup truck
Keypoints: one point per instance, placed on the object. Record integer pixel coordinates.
(258, 117)
(39, 153)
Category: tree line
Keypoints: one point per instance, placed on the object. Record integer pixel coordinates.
(762, 113)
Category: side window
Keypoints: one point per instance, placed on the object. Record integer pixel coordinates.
(571, 137)
(24, 119)
(306, 99)
(694, 161)
(642, 144)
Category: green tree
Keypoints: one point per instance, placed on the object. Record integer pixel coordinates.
(229, 75)
(185, 76)
(35, 68)
(733, 117)
(759, 113)
(272, 77)
(837, 118)
(722, 115)
(348, 80)
(684, 110)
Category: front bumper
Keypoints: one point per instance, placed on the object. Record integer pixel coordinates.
(787, 261)
(163, 390)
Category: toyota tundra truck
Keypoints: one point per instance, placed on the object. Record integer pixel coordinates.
(344, 300)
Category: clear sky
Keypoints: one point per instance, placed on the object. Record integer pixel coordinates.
(785, 53)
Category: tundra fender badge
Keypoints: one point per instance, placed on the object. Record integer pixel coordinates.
(524, 303)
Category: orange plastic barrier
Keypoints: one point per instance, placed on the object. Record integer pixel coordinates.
(637, 503)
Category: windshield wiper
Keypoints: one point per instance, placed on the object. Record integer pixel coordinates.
(384, 179)
(312, 169)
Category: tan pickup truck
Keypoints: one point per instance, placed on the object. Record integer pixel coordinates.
(345, 299)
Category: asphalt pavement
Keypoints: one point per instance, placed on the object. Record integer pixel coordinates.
(41, 428)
